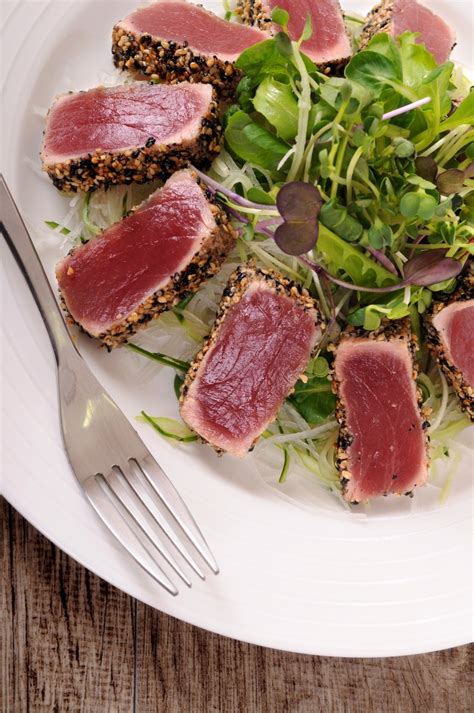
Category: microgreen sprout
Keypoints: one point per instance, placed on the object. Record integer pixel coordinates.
(299, 204)
(422, 270)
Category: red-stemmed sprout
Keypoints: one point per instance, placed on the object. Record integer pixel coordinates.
(296, 234)
(216, 187)
(382, 259)
(422, 270)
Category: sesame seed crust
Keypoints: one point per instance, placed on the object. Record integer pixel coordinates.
(455, 377)
(379, 19)
(254, 12)
(140, 164)
(389, 331)
(204, 265)
(240, 280)
(171, 62)
(258, 14)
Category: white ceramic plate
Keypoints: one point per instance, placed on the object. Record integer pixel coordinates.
(297, 572)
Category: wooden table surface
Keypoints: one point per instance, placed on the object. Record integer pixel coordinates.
(71, 642)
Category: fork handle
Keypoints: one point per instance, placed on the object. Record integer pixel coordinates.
(24, 252)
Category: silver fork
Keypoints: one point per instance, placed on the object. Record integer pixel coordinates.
(119, 476)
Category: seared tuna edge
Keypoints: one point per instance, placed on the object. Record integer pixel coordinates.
(235, 289)
(141, 164)
(205, 264)
(257, 14)
(454, 376)
(379, 19)
(388, 331)
(171, 62)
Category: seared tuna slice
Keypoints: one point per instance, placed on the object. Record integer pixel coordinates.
(382, 445)
(264, 333)
(176, 40)
(134, 132)
(450, 327)
(329, 44)
(398, 16)
(145, 263)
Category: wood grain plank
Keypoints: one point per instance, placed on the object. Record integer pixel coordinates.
(188, 669)
(68, 639)
(67, 646)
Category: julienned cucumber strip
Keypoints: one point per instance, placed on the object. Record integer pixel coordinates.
(91, 227)
(169, 428)
(53, 225)
(182, 366)
(285, 467)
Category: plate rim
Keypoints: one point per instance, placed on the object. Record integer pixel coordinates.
(217, 629)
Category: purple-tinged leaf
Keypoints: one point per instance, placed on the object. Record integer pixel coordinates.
(319, 270)
(431, 267)
(382, 259)
(297, 239)
(469, 170)
(427, 168)
(216, 187)
(450, 181)
(299, 201)
(416, 242)
(299, 204)
(239, 216)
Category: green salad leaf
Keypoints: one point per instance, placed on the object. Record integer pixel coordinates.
(391, 307)
(464, 114)
(337, 218)
(314, 399)
(372, 70)
(251, 142)
(266, 59)
(415, 60)
(277, 103)
(345, 259)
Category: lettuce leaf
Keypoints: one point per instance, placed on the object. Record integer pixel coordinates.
(314, 399)
(277, 103)
(464, 114)
(343, 258)
(265, 59)
(251, 142)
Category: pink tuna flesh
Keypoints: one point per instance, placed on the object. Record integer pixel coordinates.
(108, 278)
(387, 453)
(204, 32)
(455, 325)
(262, 347)
(435, 34)
(329, 40)
(124, 117)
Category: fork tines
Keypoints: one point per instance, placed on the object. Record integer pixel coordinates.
(139, 504)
